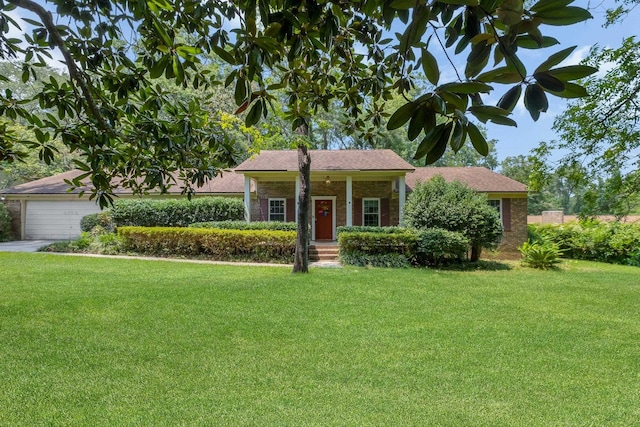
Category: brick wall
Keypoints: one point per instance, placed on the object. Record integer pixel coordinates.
(512, 239)
(16, 220)
(337, 189)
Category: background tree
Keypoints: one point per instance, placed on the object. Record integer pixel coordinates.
(125, 126)
(600, 134)
(455, 207)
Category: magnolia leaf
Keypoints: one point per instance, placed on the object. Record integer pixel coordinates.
(403, 4)
(477, 139)
(544, 5)
(401, 116)
(500, 75)
(510, 98)
(565, 16)
(461, 2)
(535, 101)
(440, 146)
(510, 12)
(457, 137)
(497, 115)
(460, 102)
(555, 59)
(416, 123)
(254, 114)
(430, 67)
(571, 90)
(549, 82)
(429, 141)
(528, 42)
(240, 93)
(466, 87)
(572, 72)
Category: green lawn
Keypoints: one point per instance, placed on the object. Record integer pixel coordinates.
(94, 341)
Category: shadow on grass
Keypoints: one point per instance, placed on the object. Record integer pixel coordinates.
(482, 265)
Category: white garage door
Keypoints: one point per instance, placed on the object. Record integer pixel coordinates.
(56, 220)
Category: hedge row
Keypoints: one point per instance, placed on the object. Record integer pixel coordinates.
(402, 248)
(221, 245)
(175, 212)
(369, 229)
(612, 242)
(242, 225)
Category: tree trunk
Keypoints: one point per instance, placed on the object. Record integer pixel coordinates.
(476, 249)
(301, 264)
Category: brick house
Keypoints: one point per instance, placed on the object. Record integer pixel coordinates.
(366, 187)
(348, 187)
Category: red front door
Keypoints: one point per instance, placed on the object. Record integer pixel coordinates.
(323, 210)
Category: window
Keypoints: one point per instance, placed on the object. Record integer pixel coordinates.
(277, 209)
(497, 204)
(371, 212)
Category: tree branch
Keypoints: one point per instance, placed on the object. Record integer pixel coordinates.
(56, 40)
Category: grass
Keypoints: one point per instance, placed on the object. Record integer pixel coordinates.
(94, 341)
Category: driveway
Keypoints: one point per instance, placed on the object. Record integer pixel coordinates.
(24, 245)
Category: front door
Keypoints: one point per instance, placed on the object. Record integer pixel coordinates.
(323, 210)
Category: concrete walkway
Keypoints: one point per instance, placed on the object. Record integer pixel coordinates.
(24, 245)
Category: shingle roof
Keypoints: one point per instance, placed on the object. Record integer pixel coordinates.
(326, 160)
(227, 182)
(478, 178)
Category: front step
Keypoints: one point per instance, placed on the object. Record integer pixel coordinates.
(323, 253)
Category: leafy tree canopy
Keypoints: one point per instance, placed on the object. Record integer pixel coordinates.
(115, 116)
(600, 134)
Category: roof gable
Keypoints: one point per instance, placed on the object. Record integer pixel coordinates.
(226, 182)
(326, 160)
(478, 178)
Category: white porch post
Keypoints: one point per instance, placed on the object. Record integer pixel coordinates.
(297, 197)
(402, 198)
(349, 201)
(247, 198)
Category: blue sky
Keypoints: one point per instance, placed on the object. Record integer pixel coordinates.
(520, 140)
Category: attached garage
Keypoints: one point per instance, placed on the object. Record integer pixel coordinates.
(55, 220)
(45, 209)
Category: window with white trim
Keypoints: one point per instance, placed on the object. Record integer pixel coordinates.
(497, 204)
(371, 212)
(277, 209)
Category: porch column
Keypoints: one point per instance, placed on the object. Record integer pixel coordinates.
(402, 198)
(247, 198)
(297, 197)
(349, 201)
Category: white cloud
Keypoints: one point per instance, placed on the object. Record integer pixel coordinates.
(577, 56)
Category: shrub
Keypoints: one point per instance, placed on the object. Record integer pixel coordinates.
(102, 219)
(612, 242)
(454, 207)
(436, 246)
(376, 249)
(541, 255)
(369, 229)
(5, 224)
(243, 225)
(175, 212)
(222, 245)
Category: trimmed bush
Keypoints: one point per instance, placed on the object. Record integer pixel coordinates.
(542, 255)
(176, 212)
(370, 229)
(221, 245)
(436, 246)
(376, 249)
(102, 219)
(243, 225)
(455, 207)
(6, 233)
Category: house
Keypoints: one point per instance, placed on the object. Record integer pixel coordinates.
(46, 209)
(348, 187)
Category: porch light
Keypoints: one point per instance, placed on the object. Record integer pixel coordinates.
(327, 180)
